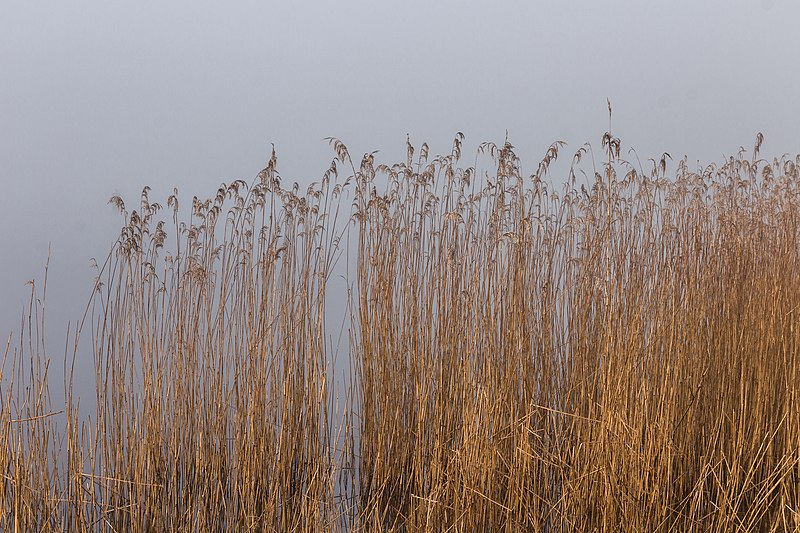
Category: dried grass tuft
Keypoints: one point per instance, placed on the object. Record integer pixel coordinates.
(621, 354)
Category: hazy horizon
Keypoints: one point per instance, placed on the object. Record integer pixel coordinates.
(103, 99)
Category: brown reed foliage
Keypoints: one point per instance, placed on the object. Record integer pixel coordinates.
(617, 355)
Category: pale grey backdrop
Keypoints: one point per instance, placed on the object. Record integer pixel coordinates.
(104, 97)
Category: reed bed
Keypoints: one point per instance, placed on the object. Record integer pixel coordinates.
(615, 349)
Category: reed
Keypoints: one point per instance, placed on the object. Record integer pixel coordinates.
(618, 352)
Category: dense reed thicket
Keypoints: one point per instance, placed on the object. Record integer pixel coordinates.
(618, 352)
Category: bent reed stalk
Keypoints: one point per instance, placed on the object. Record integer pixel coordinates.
(620, 354)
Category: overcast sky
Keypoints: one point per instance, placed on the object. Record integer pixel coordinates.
(104, 97)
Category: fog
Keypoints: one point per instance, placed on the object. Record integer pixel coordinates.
(103, 98)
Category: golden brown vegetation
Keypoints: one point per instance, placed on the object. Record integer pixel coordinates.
(617, 355)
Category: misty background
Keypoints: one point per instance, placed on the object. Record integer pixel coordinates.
(103, 98)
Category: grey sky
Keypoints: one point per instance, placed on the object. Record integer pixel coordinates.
(104, 97)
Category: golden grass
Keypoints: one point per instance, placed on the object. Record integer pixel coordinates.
(617, 355)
